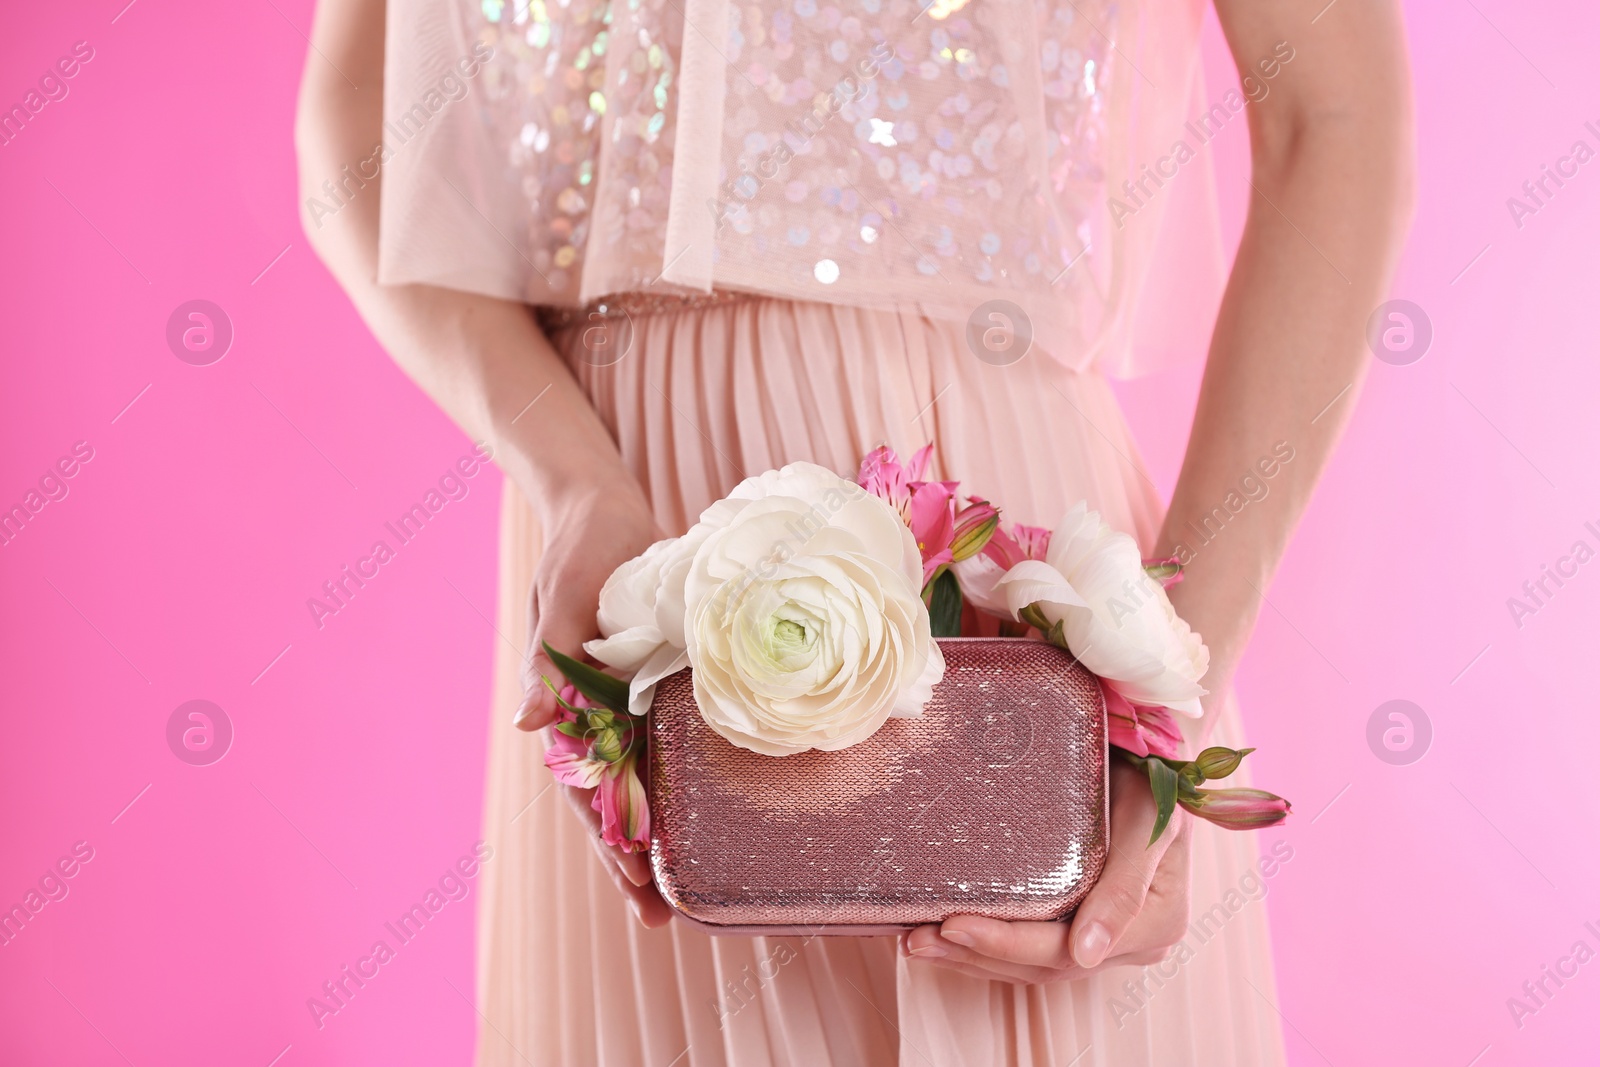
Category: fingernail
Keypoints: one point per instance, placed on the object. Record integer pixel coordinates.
(959, 937)
(1092, 945)
(524, 712)
(930, 951)
(637, 914)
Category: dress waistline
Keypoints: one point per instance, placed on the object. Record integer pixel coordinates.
(634, 305)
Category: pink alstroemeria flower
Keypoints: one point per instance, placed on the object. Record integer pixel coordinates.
(883, 476)
(624, 807)
(1144, 731)
(619, 794)
(980, 575)
(1238, 809)
(976, 525)
(569, 758)
(1007, 548)
(933, 524)
(929, 508)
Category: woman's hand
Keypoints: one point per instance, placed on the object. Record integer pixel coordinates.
(1134, 914)
(629, 871)
(585, 540)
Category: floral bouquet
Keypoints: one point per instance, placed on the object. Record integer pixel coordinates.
(808, 607)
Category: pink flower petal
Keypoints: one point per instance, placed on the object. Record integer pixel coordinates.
(933, 519)
(919, 462)
(1144, 731)
(624, 808)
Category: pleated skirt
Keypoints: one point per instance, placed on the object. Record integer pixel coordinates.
(703, 398)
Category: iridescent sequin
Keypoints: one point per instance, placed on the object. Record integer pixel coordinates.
(930, 135)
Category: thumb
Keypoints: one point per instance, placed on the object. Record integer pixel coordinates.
(565, 631)
(1114, 902)
(538, 708)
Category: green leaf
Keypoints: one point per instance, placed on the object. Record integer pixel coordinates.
(581, 713)
(944, 614)
(598, 686)
(1164, 785)
(571, 729)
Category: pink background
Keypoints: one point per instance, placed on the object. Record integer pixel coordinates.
(1419, 897)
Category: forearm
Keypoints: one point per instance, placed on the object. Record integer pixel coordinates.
(484, 361)
(488, 365)
(1287, 358)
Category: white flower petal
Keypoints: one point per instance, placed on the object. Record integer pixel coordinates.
(666, 662)
(627, 650)
(798, 601)
(1034, 581)
(979, 577)
(913, 700)
(1115, 619)
(627, 600)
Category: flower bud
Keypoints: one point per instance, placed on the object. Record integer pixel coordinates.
(1238, 809)
(1169, 571)
(607, 745)
(1218, 762)
(975, 524)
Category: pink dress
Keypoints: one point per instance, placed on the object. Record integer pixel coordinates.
(584, 149)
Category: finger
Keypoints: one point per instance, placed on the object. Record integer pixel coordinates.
(635, 866)
(1164, 916)
(1114, 903)
(642, 897)
(925, 944)
(538, 707)
(643, 900)
(948, 954)
(564, 630)
(1032, 944)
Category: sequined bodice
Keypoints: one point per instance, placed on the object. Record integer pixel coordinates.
(922, 153)
(944, 154)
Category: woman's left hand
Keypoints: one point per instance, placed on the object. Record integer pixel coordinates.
(1135, 913)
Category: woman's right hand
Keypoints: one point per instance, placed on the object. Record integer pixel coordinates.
(584, 541)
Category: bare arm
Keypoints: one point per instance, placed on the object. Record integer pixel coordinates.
(1331, 152)
(483, 361)
(1331, 198)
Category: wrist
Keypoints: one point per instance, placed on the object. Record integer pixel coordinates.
(562, 481)
(1223, 614)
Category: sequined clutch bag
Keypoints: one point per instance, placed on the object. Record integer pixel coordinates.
(993, 803)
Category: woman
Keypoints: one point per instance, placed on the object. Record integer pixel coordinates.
(795, 213)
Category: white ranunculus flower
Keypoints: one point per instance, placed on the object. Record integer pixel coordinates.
(641, 618)
(1117, 620)
(797, 600)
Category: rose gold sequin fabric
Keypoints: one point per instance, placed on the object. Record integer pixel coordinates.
(993, 803)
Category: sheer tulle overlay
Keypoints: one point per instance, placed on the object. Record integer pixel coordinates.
(566, 977)
(938, 155)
